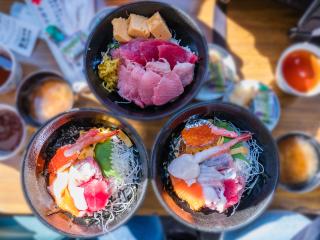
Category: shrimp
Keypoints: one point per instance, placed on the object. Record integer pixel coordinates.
(223, 132)
(187, 167)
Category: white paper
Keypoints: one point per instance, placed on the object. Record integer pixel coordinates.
(17, 35)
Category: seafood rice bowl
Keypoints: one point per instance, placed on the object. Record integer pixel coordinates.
(145, 60)
(215, 166)
(85, 173)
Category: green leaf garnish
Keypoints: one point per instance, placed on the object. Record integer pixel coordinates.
(103, 157)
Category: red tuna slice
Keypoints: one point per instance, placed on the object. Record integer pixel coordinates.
(175, 53)
(148, 82)
(96, 194)
(131, 51)
(169, 87)
(185, 71)
(231, 192)
(149, 49)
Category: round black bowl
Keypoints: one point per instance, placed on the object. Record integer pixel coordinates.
(314, 182)
(26, 88)
(251, 204)
(184, 28)
(34, 181)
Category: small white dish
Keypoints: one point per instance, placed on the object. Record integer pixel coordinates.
(252, 103)
(208, 92)
(280, 79)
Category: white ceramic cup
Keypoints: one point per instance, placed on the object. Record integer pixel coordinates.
(16, 71)
(5, 156)
(280, 79)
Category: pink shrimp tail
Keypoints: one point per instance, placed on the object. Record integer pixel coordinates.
(241, 138)
(223, 132)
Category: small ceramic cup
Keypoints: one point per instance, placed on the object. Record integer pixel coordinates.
(27, 86)
(314, 181)
(280, 79)
(16, 71)
(9, 154)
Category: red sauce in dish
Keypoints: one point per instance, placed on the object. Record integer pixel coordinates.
(5, 69)
(301, 70)
(11, 130)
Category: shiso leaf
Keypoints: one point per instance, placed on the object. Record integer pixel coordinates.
(103, 157)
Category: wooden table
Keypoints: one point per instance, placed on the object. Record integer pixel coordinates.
(256, 35)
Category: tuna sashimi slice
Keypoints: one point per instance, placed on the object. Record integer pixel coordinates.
(149, 49)
(131, 51)
(96, 193)
(161, 67)
(233, 190)
(185, 71)
(168, 88)
(124, 76)
(128, 83)
(174, 54)
(148, 82)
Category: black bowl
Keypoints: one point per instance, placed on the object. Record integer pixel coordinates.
(251, 204)
(39, 151)
(185, 29)
(312, 183)
(26, 88)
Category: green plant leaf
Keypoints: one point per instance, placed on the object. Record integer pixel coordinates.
(103, 157)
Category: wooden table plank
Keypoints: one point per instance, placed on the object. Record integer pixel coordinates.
(256, 37)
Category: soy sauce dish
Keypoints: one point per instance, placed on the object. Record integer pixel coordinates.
(85, 173)
(146, 60)
(214, 166)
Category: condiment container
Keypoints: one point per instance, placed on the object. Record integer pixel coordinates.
(222, 74)
(10, 70)
(6, 132)
(29, 102)
(282, 82)
(314, 180)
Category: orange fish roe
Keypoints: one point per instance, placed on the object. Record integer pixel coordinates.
(199, 136)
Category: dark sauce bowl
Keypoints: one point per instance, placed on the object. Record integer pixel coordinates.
(184, 28)
(251, 204)
(27, 87)
(43, 146)
(314, 181)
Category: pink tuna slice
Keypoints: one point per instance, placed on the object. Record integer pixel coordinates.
(96, 193)
(136, 76)
(185, 71)
(124, 76)
(169, 87)
(128, 83)
(174, 54)
(148, 82)
(161, 67)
